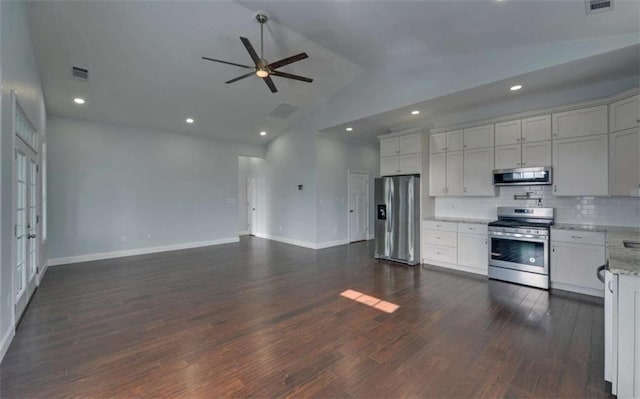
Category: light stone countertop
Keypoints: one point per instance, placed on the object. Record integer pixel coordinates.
(458, 220)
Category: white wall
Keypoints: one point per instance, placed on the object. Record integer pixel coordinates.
(335, 158)
(247, 167)
(19, 73)
(616, 211)
(290, 160)
(115, 188)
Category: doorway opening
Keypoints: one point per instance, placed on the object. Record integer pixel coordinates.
(250, 211)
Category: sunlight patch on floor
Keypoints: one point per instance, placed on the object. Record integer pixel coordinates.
(369, 300)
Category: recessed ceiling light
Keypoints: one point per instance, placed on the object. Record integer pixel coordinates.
(78, 100)
(263, 133)
(416, 112)
(349, 129)
(189, 120)
(516, 88)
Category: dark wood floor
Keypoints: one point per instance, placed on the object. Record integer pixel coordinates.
(264, 319)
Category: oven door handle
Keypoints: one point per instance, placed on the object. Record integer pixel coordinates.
(522, 238)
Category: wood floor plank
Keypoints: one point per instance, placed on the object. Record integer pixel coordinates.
(265, 319)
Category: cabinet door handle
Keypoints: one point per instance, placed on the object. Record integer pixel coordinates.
(577, 237)
(611, 286)
(522, 164)
(555, 188)
(518, 140)
(524, 139)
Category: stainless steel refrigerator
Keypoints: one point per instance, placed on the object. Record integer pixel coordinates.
(398, 218)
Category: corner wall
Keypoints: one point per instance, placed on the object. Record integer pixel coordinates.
(335, 158)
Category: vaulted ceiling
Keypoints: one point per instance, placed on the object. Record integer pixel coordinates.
(367, 57)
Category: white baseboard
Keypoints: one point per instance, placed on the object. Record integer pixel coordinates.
(329, 244)
(6, 341)
(243, 233)
(578, 289)
(298, 243)
(140, 251)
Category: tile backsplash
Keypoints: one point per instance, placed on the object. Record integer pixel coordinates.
(611, 211)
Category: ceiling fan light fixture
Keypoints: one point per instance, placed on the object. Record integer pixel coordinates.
(262, 73)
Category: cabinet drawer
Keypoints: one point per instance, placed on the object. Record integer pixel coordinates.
(472, 228)
(440, 238)
(578, 237)
(442, 226)
(439, 254)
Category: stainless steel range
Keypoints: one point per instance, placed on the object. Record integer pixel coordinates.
(519, 246)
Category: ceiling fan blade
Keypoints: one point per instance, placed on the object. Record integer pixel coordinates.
(240, 77)
(227, 62)
(290, 76)
(250, 49)
(287, 61)
(269, 83)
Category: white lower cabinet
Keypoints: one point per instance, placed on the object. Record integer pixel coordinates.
(622, 335)
(473, 251)
(575, 256)
(628, 330)
(460, 246)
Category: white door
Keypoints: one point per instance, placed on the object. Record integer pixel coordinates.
(252, 213)
(26, 240)
(358, 206)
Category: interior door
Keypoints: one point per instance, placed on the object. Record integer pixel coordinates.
(358, 206)
(252, 213)
(26, 240)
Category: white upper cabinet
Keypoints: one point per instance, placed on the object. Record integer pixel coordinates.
(624, 114)
(536, 129)
(455, 173)
(437, 143)
(437, 174)
(536, 154)
(389, 166)
(580, 122)
(478, 172)
(443, 142)
(508, 133)
(478, 137)
(409, 144)
(401, 155)
(409, 164)
(581, 166)
(624, 162)
(508, 156)
(389, 147)
(455, 140)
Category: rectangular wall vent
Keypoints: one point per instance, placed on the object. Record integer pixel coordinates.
(594, 6)
(79, 73)
(283, 111)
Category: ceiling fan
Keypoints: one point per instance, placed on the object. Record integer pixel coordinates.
(262, 68)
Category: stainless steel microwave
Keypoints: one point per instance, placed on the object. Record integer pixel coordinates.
(522, 176)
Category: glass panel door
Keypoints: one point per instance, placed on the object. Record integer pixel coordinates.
(26, 242)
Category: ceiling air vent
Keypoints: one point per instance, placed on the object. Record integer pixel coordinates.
(79, 73)
(283, 111)
(594, 6)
